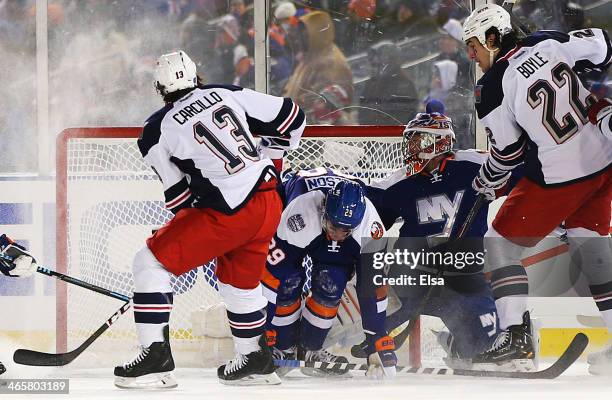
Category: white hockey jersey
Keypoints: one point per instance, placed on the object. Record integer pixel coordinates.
(202, 146)
(534, 108)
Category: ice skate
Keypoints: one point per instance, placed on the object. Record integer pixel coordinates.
(513, 350)
(151, 369)
(256, 368)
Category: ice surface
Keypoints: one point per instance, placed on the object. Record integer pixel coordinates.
(202, 384)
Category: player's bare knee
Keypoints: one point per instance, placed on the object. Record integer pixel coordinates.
(500, 252)
(149, 274)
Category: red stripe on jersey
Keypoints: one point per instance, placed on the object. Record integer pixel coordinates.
(511, 156)
(288, 121)
(179, 199)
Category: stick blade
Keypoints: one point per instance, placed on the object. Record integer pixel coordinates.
(571, 354)
(40, 359)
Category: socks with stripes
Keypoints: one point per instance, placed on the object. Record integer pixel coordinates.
(510, 289)
(151, 314)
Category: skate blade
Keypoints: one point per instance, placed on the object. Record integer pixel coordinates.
(162, 380)
(327, 373)
(520, 365)
(282, 371)
(254, 380)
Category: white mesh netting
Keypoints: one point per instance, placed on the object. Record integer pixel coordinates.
(114, 201)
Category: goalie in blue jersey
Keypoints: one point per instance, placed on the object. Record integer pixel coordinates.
(433, 195)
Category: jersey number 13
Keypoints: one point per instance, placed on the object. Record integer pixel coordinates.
(222, 118)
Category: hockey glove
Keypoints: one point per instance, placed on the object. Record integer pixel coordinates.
(23, 264)
(491, 190)
(381, 357)
(268, 148)
(599, 113)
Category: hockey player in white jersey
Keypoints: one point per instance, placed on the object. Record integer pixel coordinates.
(22, 266)
(535, 110)
(222, 189)
(339, 230)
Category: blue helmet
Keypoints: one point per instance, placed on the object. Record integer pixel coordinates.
(345, 204)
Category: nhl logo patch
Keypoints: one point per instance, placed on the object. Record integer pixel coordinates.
(377, 231)
(296, 223)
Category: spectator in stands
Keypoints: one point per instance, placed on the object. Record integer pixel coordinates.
(407, 18)
(197, 39)
(444, 88)
(285, 14)
(454, 9)
(331, 107)
(285, 45)
(451, 47)
(227, 35)
(359, 29)
(389, 96)
(323, 64)
(244, 67)
(239, 11)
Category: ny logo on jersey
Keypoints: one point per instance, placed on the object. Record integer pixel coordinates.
(333, 247)
(489, 320)
(439, 208)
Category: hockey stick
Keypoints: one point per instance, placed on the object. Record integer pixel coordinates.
(401, 337)
(41, 359)
(569, 356)
(32, 357)
(74, 281)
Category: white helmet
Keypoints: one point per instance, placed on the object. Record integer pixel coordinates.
(483, 18)
(175, 71)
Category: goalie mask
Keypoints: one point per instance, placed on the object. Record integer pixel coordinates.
(175, 71)
(426, 137)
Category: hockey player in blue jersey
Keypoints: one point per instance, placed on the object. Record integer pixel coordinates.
(339, 230)
(432, 194)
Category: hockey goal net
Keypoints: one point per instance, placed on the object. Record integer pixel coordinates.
(109, 200)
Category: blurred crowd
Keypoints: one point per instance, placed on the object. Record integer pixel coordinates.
(344, 61)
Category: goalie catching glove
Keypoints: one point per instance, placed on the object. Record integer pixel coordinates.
(22, 265)
(381, 357)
